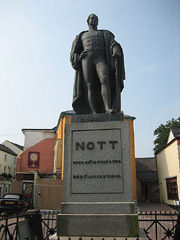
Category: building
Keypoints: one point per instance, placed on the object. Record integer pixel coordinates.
(7, 168)
(35, 168)
(33, 136)
(168, 164)
(147, 180)
(13, 146)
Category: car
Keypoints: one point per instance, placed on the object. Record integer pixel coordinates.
(12, 202)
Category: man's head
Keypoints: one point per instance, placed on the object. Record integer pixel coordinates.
(92, 19)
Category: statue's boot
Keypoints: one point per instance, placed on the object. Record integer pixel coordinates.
(111, 111)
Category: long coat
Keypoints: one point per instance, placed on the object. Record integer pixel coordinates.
(117, 76)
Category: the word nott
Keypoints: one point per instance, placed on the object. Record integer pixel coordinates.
(95, 145)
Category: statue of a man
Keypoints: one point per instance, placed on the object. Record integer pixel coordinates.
(99, 64)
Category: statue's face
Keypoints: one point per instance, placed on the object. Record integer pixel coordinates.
(93, 20)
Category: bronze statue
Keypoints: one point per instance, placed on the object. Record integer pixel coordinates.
(99, 64)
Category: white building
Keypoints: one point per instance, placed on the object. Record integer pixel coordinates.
(168, 165)
(33, 136)
(7, 168)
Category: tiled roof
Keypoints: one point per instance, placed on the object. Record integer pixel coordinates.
(7, 150)
(146, 164)
(176, 132)
(146, 169)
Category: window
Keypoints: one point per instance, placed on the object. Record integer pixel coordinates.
(172, 191)
(5, 157)
(13, 196)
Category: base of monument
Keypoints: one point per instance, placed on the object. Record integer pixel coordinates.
(97, 182)
(110, 225)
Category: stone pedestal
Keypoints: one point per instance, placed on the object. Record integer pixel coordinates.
(97, 184)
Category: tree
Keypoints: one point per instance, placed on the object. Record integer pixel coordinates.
(162, 133)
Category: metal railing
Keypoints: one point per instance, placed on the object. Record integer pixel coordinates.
(156, 225)
(49, 224)
(160, 225)
(8, 226)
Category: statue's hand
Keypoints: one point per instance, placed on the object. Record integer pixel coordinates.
(82, 55)
(75, 61)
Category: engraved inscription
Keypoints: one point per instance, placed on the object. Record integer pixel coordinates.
(96, 162)
(95, 176)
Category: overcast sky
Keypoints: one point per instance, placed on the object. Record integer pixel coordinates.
(36, 77)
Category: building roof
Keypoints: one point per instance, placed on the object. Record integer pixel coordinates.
(174, 135)
(17, 145)
(176, 132)
(7, 150)
(39, 129)
(146, 169)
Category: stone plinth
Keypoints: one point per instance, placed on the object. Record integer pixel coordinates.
(97, 184)
(98, 225)
(98, 207)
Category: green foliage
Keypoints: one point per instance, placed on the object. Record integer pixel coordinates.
(162, 133)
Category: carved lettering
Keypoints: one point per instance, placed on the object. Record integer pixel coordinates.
(96, 176)
(98, 162)
(78, 145)
(101, 144)
(91, 145)
(113, 143)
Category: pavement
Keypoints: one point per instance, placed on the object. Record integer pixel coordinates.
(147, 207)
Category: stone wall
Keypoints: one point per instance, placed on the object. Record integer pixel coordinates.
(148, 192)
(48, 194)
